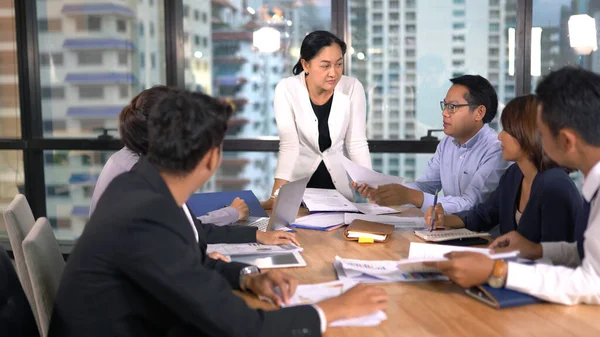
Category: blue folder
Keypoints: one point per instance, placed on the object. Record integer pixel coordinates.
(500, 297)
(203, 203)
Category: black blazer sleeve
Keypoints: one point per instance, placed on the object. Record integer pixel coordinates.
(561, 202)
(485, 215)
(169, 267)
(228, 234)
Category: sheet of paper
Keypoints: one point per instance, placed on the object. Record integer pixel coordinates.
(314, 293)
(419, 250)
(325, 200)
(376, 237)
(401, 223)
(236, 249)
(362, 175)
(381, 272)
(374, 209)
(320, 220)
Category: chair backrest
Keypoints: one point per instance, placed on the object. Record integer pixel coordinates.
(45, 265)
(19, 220)
(16, 316)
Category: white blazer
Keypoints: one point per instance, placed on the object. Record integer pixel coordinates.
(299, 153)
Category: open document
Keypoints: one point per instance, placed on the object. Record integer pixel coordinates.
(419, 253)
(236, 249)
(362, 175)
(384, 271)
(326, 200)
(314, 293)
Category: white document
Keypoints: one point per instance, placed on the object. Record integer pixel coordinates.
(362, 175)
(314, 293)
(380, 272)
(236, 249)
(326, 200)
(375, 209)
(320, 220)
(449, 234)
(435, 252)
(401, 223)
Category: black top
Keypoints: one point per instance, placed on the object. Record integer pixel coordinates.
(321, 178)
(137, 270)
(550, 214)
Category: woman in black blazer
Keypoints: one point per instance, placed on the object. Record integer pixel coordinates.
(535, 196)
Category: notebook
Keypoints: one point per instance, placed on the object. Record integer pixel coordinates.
(500, 297)
(375, 231)
(449, 234)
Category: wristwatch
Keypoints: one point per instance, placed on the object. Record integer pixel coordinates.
(498, 277)
(248, 270)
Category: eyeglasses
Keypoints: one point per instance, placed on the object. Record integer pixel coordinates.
(452, 107)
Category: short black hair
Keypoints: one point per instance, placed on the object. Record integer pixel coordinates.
(481, 92)
(312, 45)
(133, 119)
(182, 127)
(570, 98)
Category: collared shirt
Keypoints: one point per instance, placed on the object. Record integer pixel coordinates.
(566, 284)
(122, 161)
(467, 173)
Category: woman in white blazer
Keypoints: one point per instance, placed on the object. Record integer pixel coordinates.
(321, 115)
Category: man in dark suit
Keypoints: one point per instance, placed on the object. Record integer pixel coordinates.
(139, 268)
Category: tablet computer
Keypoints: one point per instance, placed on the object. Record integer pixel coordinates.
(272, 261)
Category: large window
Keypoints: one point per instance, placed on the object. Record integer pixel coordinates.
(90, 57)
(427, 43)
(563, 34)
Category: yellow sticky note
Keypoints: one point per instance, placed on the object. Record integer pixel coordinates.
(365, 240)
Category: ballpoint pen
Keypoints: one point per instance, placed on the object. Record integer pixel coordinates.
(435, 198)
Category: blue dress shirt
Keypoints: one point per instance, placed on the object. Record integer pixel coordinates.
(467, 174)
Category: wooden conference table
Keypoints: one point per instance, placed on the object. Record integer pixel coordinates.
(433, 308)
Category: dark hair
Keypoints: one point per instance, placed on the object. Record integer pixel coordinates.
(519, 119)
(133, 119)
(570, 98)
(182, 127)
(312, 45)
(481, 92)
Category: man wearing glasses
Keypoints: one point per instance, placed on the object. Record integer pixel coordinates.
(467, 165)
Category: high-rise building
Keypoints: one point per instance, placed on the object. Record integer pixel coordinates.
(404, 53)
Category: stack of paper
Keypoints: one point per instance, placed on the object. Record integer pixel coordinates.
(314, 293)
(236, 249)
(374, 209)
(423, 252)
(362, 175)
(401, 223)
(320, 221)
(379, 272)
(326, 200)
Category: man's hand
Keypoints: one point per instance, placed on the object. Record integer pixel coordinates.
(514, 241)
(361, 300)
(439, 216)
(264, 284)
(364, 190)
(241, 207)
(218, 256)
(276, 238)
(466, 269)
(396, 194)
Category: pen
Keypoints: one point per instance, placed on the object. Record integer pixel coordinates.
(433, 213)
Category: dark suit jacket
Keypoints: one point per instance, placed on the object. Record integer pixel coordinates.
(224, 234)
(137, 270)
(550, 213)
